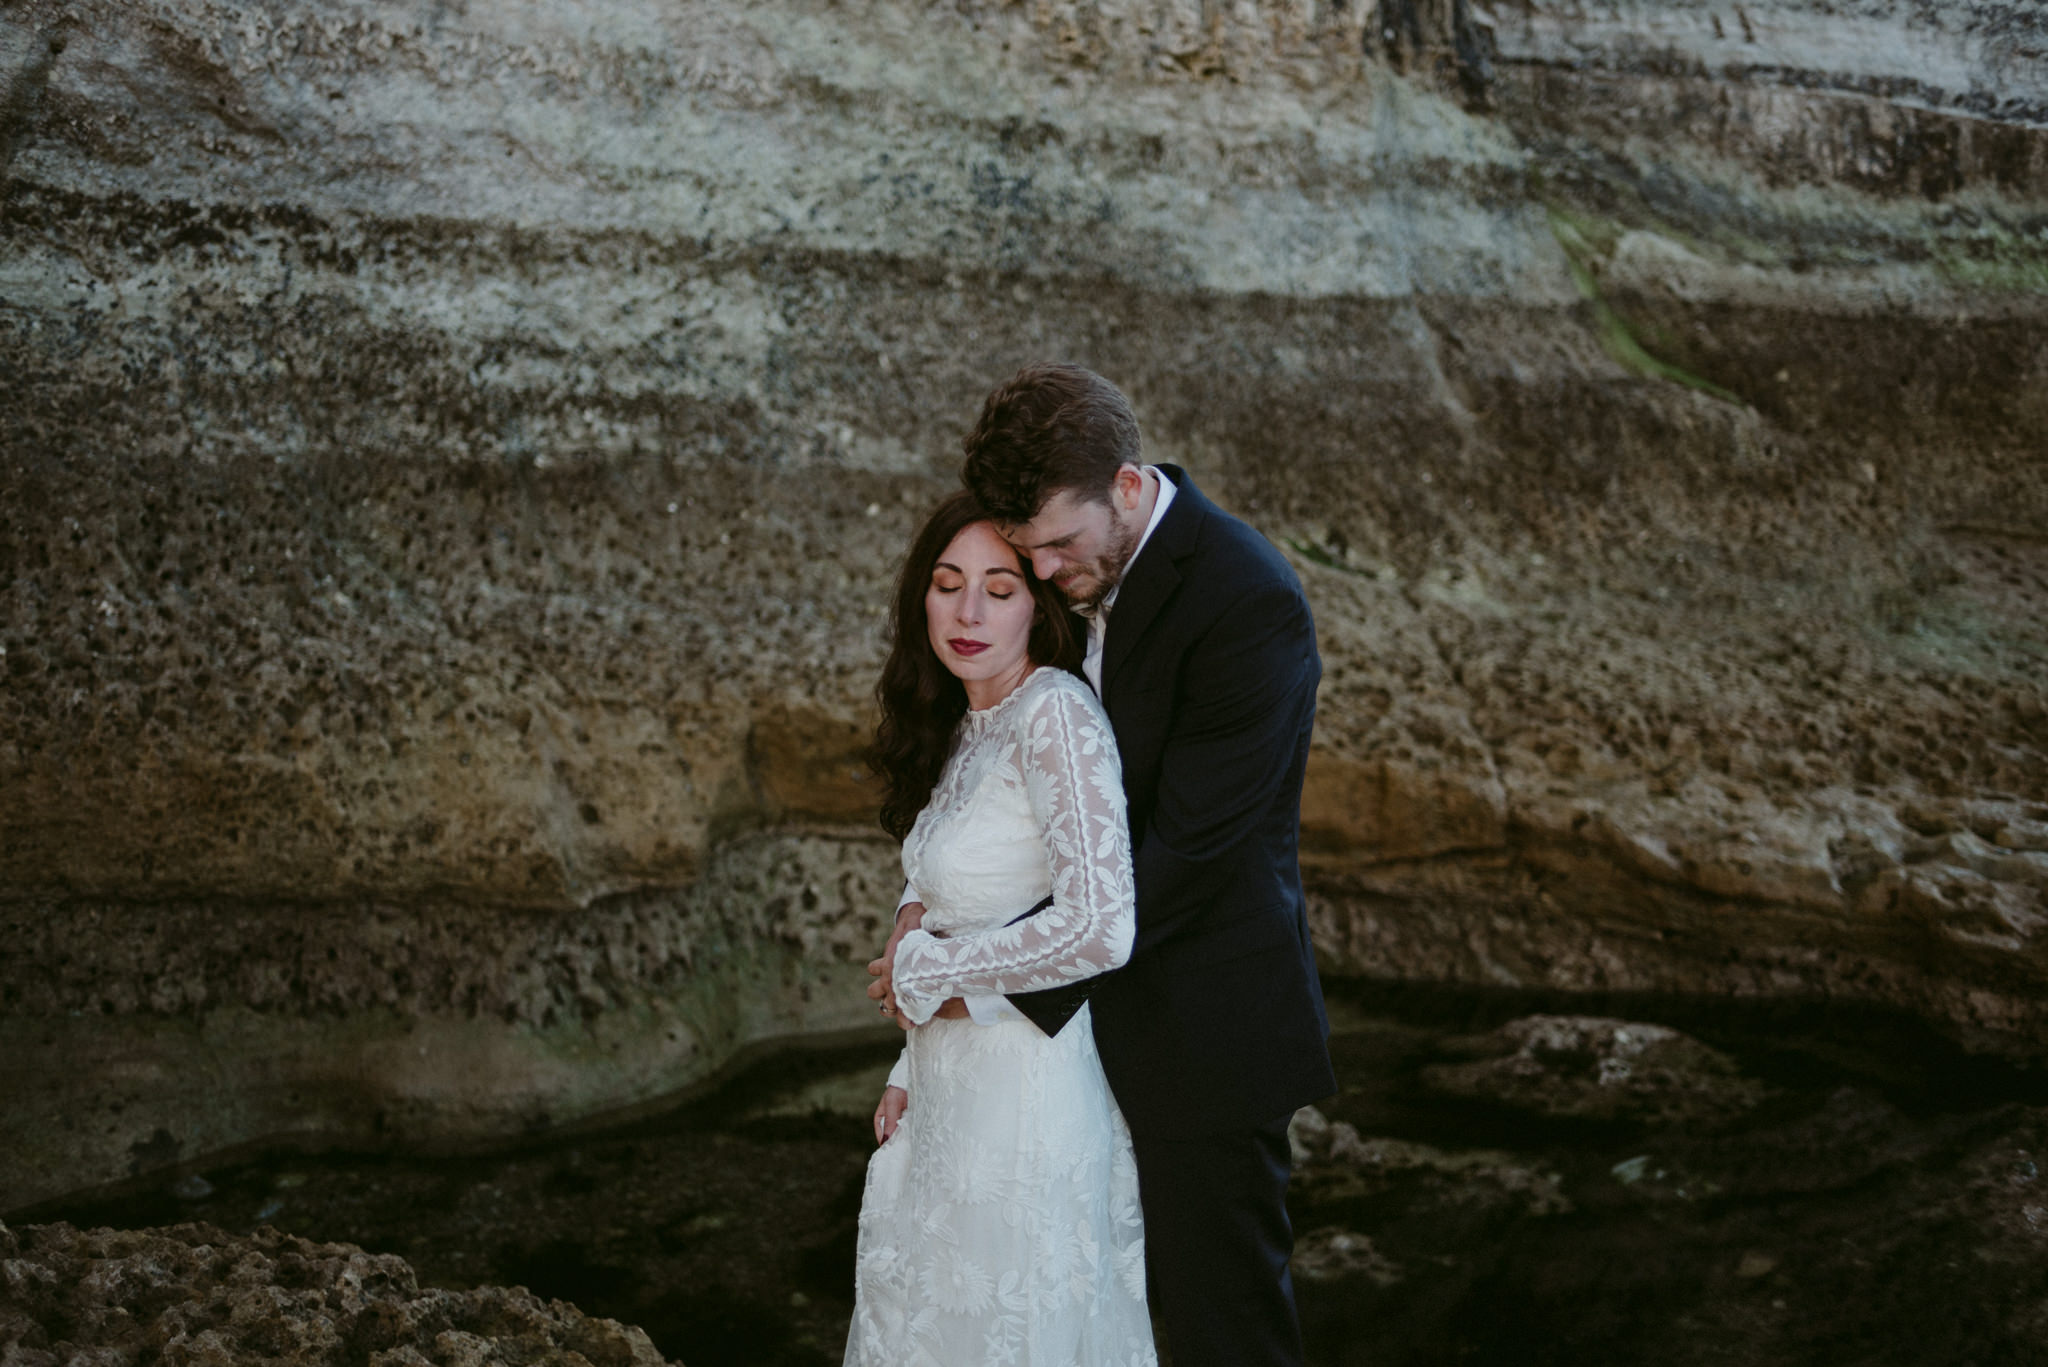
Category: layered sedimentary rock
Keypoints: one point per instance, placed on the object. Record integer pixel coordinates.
(452, 460)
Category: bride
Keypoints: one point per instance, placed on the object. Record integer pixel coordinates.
(1000, 1221)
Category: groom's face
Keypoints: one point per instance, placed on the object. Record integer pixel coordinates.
(1081, 545)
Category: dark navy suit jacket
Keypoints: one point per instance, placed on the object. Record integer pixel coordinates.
(1209, 675)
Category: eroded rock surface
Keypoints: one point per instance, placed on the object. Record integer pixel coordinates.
(1601, 1069)
(199, 1296)
(1332, 1163)
(1837, 1221)
(1889, 1183)
(452, 459)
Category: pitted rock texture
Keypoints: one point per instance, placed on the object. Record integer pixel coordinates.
(1879, 1190)
(1333, 1163)
(1601, 1069)
(452, 460)
(156, 1036)
(197, 1295)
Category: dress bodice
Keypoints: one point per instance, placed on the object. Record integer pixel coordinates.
(1030, 802)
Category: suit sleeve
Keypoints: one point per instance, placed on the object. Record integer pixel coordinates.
(1245, 703)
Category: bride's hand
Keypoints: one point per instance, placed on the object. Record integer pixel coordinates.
(889, 1114)
(909, 917)
(951, 1009)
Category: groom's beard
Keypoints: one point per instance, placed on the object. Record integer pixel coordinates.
(1085, 586)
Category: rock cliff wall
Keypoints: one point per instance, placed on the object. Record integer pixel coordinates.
(452, 457)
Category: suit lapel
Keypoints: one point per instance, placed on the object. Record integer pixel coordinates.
(1153, 575)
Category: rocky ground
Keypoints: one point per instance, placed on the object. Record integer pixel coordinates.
(451, 460)
(1646, 1198)
(1693, 1184)
(197, 1296)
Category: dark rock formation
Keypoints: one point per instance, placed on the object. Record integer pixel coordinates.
(451, 461)
(197, 1296)
(1848, 1218)
(1334, 1165)
(1601, 1069)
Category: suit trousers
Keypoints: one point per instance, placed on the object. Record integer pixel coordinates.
(1217, 1241)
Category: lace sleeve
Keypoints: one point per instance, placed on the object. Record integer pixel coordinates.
(1067, 756)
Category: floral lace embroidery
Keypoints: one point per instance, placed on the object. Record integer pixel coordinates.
(1031, 802)
(1000, 1225)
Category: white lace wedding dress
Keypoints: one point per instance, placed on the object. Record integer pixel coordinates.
(1000, 1223)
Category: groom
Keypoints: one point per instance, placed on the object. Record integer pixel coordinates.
(1202, 649)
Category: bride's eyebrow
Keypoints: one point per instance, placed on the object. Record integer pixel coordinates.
(993, 569)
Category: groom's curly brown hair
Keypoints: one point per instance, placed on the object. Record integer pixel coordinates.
(1050, 427)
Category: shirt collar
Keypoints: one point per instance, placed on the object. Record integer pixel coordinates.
(1159, 507)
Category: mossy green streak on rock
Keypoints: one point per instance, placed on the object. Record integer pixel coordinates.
(2000, 263)
(1615, 337)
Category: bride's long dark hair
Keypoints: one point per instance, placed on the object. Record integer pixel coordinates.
(921, 700)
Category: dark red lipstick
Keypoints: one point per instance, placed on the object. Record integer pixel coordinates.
(964, 646)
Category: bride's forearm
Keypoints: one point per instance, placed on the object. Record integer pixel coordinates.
(1002, 960)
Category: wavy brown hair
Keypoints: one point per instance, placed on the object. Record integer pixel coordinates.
(921, 700)
(1049, 428)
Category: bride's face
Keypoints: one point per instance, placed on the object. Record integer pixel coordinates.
(978, 611)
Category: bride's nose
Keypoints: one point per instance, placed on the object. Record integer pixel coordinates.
(969, 606)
